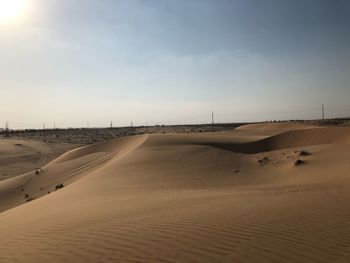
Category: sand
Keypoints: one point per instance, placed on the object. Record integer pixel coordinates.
(275, 128)
(209, 197)
(18, 156)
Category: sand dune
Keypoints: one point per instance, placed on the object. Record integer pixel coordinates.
(222, 197)
(274, 128)
(63, 170)
(291, 139)
(18, 156)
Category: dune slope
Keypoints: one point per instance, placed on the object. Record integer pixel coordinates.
(274, 128)
(18, 156)
(188, 198)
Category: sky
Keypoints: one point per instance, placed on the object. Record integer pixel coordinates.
(174, 62)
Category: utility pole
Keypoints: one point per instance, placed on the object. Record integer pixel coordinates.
(212, 118)
(111, 124)
(54, 125)
(7, 129)
(87, 125)
(132, 124)
(44, 130)
(323, 118)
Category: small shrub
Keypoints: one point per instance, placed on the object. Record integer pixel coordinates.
(38, 171)
(59, 186)
(264, 160)
(299, 162)
(304, 153)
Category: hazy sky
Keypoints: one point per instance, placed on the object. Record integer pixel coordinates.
(167, 61)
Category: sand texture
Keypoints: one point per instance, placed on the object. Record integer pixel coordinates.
(237, 196)
(18, 156)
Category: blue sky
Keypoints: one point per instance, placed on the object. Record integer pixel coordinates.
(164, 61)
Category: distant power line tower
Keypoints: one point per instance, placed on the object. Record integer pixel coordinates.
(323, 115)
(44, 132)
(7, 129)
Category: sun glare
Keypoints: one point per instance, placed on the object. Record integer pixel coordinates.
(10, 10)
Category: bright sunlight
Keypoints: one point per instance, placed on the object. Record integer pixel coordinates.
(10, 10)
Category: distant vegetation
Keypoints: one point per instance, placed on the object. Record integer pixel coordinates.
(93, 135)
(59, 186)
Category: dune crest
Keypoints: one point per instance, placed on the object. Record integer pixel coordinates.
(274, 128)
(18, 156)
(64, 170)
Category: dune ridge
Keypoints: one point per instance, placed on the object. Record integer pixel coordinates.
(18, 156)
(292, 139)
(63, 170)
(274, 128)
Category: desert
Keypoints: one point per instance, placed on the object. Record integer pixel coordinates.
(184, 131)
(235, 196)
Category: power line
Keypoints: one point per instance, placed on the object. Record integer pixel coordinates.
(306, 113)
(203, 117)
(338, 110)
(323, 113)
(265, 113)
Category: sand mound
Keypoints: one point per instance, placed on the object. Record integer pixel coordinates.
(63, 170)
(18, 156)
(182, 198)
(274, 128)
(299, 138)
(291, 139)
(258, 144)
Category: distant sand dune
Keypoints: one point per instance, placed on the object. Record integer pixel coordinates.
(255, 144)
(274, 128)
(18, 156)
(186, 198)
(292, 139)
